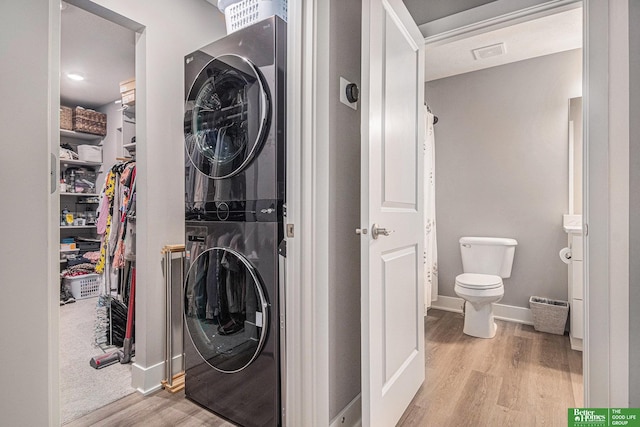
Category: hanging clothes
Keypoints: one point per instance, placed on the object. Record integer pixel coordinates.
(114, 213)
(105, 213)
(430, 241)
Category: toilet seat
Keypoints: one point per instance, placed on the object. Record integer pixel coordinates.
(478, 281)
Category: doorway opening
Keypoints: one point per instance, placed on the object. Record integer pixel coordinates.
(97, 256)
(506, 145)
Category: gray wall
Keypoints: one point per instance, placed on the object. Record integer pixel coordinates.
(344, 209)
(502, 167)
(634, 204)
(426, 11)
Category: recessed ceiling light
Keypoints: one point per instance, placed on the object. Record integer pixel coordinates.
(75, 76)
(118, 101)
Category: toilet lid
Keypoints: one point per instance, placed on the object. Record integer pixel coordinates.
(478, 281)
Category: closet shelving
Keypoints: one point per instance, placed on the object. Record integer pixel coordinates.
(128, 131)
(68, 162)
(79, 135)
(79, 203)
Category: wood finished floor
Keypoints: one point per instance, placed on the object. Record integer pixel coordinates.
(520, 378)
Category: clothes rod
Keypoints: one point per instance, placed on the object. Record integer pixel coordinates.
(435, 118)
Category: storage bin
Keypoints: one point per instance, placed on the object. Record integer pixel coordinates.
(66, 118)
(80, 180)
(85, 286)
(247, 12)
(67, 247)
(90, 153)
(89, 121)
(88, 246)
(549, 315)
(128, 97)
(127, 85)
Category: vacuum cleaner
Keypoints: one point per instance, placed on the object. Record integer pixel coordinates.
(128, 349)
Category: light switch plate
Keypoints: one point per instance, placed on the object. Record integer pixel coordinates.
(343, 94)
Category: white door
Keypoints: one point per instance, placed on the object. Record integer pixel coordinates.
(392, 197)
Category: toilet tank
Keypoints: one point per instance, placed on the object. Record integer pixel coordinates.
(487, 255)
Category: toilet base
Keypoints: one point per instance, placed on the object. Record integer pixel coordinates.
(479, 322)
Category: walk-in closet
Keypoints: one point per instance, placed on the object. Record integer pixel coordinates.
(97, 186)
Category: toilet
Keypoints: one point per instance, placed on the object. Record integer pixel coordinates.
(485, 262)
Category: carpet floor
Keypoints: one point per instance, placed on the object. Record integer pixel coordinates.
(84, 389)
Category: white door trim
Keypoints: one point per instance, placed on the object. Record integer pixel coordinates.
(307, 338)
(605, 207)
(53, 261)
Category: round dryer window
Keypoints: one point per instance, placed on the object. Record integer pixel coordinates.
(227, 116)
(225, 309)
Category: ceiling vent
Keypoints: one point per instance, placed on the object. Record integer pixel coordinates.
(489, 51)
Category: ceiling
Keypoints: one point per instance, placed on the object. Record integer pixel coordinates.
(557, 32)
(103, 52)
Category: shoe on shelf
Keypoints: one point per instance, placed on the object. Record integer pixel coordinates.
(66, 297)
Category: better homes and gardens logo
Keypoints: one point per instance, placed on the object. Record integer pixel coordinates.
(604, 417)
(589, 417)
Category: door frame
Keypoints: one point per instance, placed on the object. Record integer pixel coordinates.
(605, 207)
(55, 43)
(307, 391)
(306, 387)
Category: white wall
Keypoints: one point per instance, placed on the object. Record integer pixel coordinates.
(502, 167)
(172, 30)
(27, 315)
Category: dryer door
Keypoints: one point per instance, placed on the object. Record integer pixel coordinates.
(227, 116)
(226, 311)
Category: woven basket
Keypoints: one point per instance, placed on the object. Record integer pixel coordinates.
(549, 315)
(89, 121)
(66, 118)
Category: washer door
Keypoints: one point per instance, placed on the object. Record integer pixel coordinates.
(225, 309)
(227, 116)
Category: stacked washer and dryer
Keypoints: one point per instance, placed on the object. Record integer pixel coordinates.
(234, 203)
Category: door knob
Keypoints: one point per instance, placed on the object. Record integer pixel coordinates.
(379, 231)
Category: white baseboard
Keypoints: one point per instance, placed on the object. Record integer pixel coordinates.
(576, 343)
(508, 313)
(350, 416)
(148, 379)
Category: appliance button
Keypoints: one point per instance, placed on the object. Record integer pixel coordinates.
(223, 211)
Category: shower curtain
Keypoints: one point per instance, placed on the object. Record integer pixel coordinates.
(430, 244)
